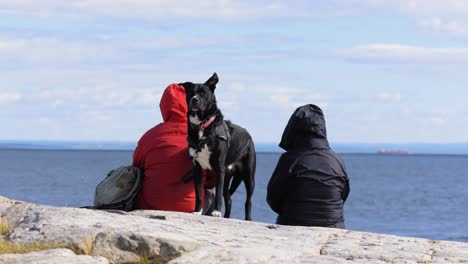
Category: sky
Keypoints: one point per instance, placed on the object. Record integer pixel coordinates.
(383, 71)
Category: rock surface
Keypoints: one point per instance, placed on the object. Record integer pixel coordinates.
(185, 238)
(53, 256)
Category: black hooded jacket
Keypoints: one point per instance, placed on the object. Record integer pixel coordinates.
(309, 185)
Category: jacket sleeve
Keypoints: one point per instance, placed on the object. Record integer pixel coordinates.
(345, 193)
(277, 186)
(346, 189)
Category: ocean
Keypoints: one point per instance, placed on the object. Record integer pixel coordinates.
(407, 195)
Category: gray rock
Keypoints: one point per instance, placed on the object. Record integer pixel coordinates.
(185, 238)
(214, 255)
(118, 237)
(53, 256)
(5, 203)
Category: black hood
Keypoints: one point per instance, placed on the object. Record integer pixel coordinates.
(305, 129)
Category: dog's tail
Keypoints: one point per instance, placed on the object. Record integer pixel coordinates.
(252, 165)
(252, 161)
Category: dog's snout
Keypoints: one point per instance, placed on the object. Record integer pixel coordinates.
(195, 100)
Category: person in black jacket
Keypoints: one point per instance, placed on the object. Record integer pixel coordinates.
(309, 185)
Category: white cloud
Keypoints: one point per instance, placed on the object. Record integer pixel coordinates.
(291, 98)
(60, 94)
(451, 27)
(147, 9)
(43, 120)
(284, 98)
(148, 97)
(426, 7)
(175, 42)
(97, 97)
(442, 16)
(95, 116)
(229, 105)
(43, 50)
(56, 52)
(398, 53)
(438, 121)
(238, 87)
(10, 97)
(281, 100)
(388, 97)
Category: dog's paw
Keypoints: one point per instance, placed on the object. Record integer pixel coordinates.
(197, 212)
(216, 213)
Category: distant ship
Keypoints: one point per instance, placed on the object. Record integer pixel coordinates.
(394, 152)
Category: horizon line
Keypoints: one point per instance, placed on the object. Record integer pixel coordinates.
(259, 142)
(261, 147)
(258, 151)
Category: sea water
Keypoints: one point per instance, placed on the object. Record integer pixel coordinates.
(409, 195)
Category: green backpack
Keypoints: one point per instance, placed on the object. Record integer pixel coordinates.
(119, 189)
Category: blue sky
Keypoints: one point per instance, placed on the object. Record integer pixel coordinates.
(390, 71)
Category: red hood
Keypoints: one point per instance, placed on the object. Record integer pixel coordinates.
(173, 104)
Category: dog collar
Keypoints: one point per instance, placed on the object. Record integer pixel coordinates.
(208, 122)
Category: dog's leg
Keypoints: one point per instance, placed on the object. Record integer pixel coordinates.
(248, 176)
(235, 183)
(249, 187)
(220, 172)
(227, 197)
(249, 181)
(219, 194)
(198, 182)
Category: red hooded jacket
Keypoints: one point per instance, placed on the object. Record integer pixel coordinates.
(162, 153)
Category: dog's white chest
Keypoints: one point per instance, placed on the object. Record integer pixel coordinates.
(202, 156)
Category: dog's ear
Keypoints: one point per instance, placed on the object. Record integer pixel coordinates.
(212, 81)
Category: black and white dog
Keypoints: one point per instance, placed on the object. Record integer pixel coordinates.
(220, 146)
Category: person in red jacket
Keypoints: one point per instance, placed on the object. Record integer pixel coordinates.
(162, 154)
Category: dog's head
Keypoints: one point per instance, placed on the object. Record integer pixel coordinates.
(200, 96)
